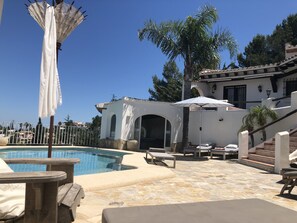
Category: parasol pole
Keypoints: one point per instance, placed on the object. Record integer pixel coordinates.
(52, 117)
(200, 131)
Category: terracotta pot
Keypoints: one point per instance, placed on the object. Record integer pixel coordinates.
(4, 140)
(132, 145)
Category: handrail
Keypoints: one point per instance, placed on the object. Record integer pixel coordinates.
(276, 99)
(244, 101)
(271, 123)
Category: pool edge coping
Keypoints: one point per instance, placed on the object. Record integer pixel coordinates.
(143, 171)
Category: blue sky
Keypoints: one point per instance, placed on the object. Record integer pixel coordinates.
(103, 56)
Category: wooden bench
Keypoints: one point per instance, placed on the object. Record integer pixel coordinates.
(290, 179)
(69, 196)
(51, 196)
(285, 170)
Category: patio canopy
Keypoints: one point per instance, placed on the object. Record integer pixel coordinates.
(202, 102)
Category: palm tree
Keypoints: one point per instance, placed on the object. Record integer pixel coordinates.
(194, 42)
(257, 118)
(248, 124)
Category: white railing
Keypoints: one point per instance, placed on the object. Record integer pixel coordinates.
(69, 135)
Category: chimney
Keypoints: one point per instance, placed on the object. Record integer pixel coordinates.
(290, 50)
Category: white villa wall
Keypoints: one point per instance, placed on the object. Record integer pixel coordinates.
(128, 110)
(213, 130)
(286, 124)
(220, 127)
(252, 92)
(114, 108)
(137, 108)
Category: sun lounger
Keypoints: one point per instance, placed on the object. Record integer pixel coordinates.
(203, 148)
(230, 149)
(159, 154)
(243, 211)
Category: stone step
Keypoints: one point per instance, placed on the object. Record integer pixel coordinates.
(263, 159)
(259, 147)
(292, 149)
(293, 138)
(269, 146)
(265, 152)
(293, 143)
(259, 165)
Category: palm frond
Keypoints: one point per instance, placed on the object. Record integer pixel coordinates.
(164, 36)
(223, 40)
(206, 17)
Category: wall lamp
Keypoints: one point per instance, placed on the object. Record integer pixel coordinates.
(260, 88)
(214, 88)
(268, 92)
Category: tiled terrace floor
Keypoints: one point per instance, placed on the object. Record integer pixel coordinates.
(196, 180)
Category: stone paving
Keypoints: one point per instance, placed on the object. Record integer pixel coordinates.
(195, 180)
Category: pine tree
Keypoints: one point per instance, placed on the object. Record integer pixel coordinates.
(169, 88)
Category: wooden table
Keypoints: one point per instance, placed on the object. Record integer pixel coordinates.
(41, 194)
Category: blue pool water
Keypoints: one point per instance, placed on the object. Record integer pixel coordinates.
(91, 160)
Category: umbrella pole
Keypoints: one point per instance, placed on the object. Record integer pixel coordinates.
(200, 132)
(50, 140)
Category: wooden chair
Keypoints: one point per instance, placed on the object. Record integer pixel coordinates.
(50, 196)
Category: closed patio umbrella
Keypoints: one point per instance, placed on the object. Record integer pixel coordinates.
(202, 102)
(57, 21)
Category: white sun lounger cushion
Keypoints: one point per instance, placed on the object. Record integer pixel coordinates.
(293, 156)
(12, 196)
(231, 147)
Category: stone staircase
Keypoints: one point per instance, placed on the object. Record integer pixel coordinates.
(263, 157)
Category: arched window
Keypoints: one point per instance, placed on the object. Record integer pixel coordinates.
(137, 129)
(194, 92)
(113, 126)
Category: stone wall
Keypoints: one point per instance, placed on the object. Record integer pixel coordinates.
(113, 144)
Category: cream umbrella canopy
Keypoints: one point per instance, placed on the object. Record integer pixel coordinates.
(202, 102)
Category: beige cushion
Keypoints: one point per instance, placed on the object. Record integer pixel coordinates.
(12, 196)
(243, 211)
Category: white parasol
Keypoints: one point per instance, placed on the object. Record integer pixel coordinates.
(202, 102)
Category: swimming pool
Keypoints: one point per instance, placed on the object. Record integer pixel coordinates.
(91, 160)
